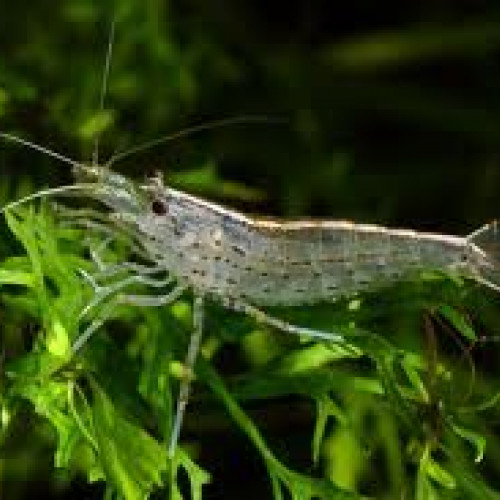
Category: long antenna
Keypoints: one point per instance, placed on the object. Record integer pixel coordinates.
(42, 149)
(104, 87)
(223, 122)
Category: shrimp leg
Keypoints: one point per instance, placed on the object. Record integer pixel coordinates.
(262, 317)
(153, 300)
(125, 299)
(102, 292)
(194, 347)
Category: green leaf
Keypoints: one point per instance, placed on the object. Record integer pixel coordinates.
(13, 277)
(154, 379)
(478, 441)
(458, 321)
(206, 180)
(430, 469)
(424, 487)
(439, 474)
(34, 365)
(314, 356)
(391, 48)
(96, 124)
(4, 98)
(49, 399)
(325, 408)
(24, 230)
(132, 460)
(57, 340)
(197, 476)
(410, 368)
(299, 485)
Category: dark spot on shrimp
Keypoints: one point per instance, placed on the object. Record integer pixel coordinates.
(238, 250)
(159, 207)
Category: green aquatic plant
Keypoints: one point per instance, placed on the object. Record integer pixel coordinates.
(395, 412)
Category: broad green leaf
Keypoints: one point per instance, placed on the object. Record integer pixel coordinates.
(132, 460)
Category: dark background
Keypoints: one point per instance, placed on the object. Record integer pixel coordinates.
(391, 113)
(388, 113)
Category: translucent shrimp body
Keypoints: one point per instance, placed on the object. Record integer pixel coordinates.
(229, 256)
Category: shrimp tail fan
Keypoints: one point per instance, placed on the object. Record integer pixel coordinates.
(484, 247)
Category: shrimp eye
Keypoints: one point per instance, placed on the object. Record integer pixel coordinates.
(159, 207)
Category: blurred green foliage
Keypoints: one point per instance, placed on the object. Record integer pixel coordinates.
(391, 116)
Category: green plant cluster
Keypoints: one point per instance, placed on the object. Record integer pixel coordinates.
(386, 109)
(390, 419)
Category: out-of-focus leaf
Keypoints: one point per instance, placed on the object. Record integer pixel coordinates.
(439, 474)
(205, 180)
(315, 356)
(96, 124)
(4, 98)
(387, 49)
(414, 377)
(424, 487)
(34, 365)
(325, 408)
(429, 470)
(478, 441)
(458, 321)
